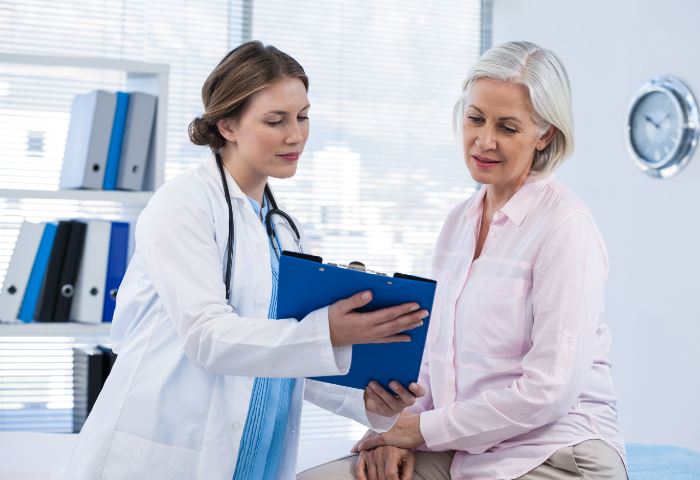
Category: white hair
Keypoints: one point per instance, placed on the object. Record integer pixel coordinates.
(547, 83)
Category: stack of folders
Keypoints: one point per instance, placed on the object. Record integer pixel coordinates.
(63, 271)
(109, 143)
(91, 366)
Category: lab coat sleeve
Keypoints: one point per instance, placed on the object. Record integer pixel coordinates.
(175, 239)
(347, 402)
(568, 284)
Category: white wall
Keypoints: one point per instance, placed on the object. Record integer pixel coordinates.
(652, 227)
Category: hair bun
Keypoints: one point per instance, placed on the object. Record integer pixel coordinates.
(202, 132)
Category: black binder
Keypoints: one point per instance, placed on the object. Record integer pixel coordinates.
(69, 271)
(91, 366)
(44, 311)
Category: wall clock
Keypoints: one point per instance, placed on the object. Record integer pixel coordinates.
(662, 126)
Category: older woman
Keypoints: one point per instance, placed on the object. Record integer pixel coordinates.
(516, 366)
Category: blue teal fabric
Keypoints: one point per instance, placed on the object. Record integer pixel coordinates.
(662, 462)
(262, 443)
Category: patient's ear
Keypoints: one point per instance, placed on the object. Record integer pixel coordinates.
(546, 138)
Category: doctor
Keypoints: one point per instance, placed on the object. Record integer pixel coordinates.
(206, 384)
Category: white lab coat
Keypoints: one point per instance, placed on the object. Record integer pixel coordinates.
(176, 401)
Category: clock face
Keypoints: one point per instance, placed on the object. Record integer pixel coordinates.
(656, 127)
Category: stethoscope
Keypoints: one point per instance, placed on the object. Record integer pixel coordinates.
(269, 226)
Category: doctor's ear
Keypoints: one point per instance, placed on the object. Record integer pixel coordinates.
(227, 128)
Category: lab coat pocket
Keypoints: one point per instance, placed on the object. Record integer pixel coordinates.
(133, 457)
(497, 324)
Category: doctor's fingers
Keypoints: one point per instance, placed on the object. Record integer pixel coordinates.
(349, 304)
(389, 314)
(381, 327)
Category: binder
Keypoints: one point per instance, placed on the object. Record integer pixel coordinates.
(90, 286)
(306, 284)
(116, 266)
(87, 144)
(91, 366)
(140, 118)
(31, 296)
(19, 270)
(115, 142)
(69, 271)
(87, 382)
(49, 287)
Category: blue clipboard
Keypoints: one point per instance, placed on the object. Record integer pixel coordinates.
(307, 284)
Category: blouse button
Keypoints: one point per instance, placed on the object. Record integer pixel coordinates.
(236, 426)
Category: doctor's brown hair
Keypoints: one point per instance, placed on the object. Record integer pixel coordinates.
(245, 70)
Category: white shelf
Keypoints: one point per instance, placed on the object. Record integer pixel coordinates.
(133, 198)
(140, 76)
(129, 66)
(53, 329)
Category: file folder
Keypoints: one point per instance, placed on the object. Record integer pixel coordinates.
(140, 118)
(91, 367)
(306, 284)
(90, 287)
(31, 296)
(116, 266)
(19, 270)
(87, 144)
(115, 142)
(50, 284)
(69, 271)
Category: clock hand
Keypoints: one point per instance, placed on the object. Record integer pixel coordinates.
(649, 119)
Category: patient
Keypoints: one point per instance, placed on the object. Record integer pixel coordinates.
(516, 364)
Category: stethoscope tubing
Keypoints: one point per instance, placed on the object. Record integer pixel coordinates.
(269, 227)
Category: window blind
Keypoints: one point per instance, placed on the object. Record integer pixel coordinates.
(36, 390)
(381, 168)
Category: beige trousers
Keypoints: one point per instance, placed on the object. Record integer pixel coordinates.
(592, 459)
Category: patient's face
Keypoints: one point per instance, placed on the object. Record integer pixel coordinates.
(500, 134)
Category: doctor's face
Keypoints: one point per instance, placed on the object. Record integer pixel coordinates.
(271, 133)
(500, 134)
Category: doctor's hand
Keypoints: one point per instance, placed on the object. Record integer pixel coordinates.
(348, 327)
(381, 402)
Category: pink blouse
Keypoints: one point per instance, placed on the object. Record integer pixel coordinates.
(516, 364)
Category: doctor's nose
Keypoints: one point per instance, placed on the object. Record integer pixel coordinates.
(295, 134)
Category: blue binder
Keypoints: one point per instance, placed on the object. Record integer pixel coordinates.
(306, 284)
(115, 142)
(31, 295)
(116, 266)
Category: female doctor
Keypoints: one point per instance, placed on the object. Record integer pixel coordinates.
(206, 384)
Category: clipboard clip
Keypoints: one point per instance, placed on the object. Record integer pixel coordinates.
(354, 265)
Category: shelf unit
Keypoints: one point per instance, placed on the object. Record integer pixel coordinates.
(139, 76)
(54, 329)
(131, 198)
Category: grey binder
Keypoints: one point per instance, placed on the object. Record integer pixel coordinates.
(87, 144)
(138, 133)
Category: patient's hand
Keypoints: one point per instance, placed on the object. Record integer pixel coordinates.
(404, 434)
(381, 402)
(385, 462)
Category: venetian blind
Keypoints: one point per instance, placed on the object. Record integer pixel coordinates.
(380, 170)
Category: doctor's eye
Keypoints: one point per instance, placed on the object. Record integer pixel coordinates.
(508, 130)
(302, 118)
(474, 118)
(274, 123)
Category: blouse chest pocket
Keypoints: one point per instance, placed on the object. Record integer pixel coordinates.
(497, 317)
